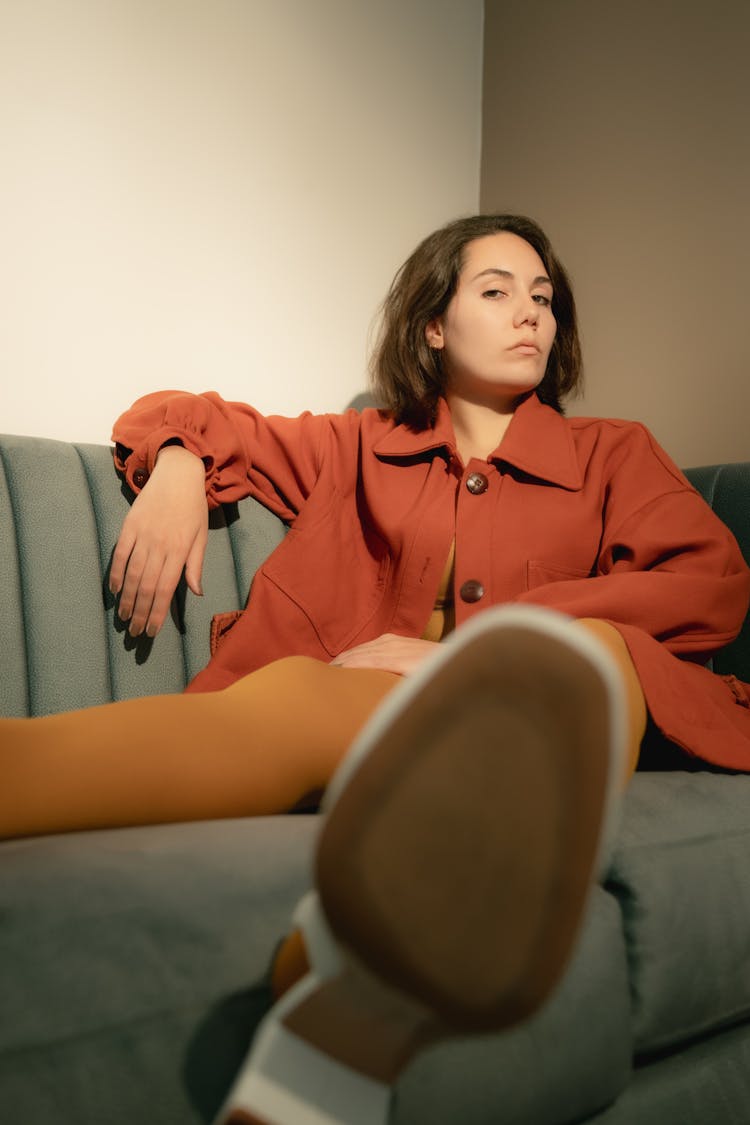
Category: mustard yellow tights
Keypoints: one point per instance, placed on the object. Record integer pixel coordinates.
(258, 747)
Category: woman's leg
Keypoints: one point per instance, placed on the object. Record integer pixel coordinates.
(635, 700)
(256, 748)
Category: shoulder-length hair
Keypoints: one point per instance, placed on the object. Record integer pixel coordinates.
(407, 375)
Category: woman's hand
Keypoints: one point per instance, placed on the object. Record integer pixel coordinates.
(389, 653)
(165, 530)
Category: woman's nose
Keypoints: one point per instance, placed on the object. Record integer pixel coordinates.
(527, 311)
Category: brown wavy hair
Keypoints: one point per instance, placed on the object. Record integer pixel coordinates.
(406, 374)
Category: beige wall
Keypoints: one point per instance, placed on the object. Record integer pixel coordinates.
(624, 129)
(215, 193)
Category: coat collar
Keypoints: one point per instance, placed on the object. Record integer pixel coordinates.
(538, 441)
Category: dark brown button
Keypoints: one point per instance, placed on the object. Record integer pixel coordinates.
(140, 476)
(477, 483)
(472, 591)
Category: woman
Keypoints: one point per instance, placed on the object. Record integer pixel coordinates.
(472, 490)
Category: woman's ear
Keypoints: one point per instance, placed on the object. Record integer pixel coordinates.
(433, 333)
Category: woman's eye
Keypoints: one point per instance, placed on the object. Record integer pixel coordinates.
(540, 299)
(493, 294)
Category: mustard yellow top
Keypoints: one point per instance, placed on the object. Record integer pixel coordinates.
(443, 617)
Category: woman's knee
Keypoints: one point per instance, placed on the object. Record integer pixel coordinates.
(615, 643)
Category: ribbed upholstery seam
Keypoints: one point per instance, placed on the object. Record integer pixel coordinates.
(714, 487)
(21, 582)
(183, 635)
(97, 524)
(234, 548)
(182, 630)
(710, 495)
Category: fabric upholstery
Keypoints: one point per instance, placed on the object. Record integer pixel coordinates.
(727, 490)
(144, 952)
(680, 873)
(564, 1064)
(134, 965)
(706, 1084)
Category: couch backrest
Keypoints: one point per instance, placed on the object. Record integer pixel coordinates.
(727, 490)
(61, 644)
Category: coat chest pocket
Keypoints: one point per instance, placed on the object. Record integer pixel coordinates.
(539, 573)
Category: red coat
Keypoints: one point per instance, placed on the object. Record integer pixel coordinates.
(585, 515)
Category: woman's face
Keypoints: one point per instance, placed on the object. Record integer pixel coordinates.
(498, 330)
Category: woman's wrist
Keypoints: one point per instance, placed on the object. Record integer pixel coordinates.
(175, 452)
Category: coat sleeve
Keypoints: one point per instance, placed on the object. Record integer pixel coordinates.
(667, 564)
(276, 460)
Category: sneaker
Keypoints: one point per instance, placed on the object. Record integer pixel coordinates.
(461, 836)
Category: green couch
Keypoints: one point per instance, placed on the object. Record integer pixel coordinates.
(134, 962)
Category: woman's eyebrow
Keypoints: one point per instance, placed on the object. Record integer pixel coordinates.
(496, 272)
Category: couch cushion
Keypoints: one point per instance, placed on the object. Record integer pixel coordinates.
(134, 967)
(680, 872)
(571, 1059)
(707, 1083)
(133, 962)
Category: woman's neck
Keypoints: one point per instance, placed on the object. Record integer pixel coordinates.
(479, 428)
